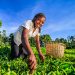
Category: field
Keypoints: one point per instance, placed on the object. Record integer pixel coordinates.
(51, 66)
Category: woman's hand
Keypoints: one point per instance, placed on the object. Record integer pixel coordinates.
(42, 57)
(32, 62)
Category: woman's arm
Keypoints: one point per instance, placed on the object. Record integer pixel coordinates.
(39, 48)
(37, 43)
(26, 45)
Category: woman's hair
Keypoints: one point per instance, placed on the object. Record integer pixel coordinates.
(39, 15)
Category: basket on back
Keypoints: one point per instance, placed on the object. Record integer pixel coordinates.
(55, 49)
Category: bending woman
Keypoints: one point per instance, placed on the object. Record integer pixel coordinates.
(20, 44)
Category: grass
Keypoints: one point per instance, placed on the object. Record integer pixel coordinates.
(51, 66)
(70, 51)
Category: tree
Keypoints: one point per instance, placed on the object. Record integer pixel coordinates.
(4, 33)
(32, 41)
(44, 39)
(0, 23)
(11, 37)
(71, 42)
(57, 40)
(0, 32)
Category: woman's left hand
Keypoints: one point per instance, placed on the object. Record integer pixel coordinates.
(42, 57)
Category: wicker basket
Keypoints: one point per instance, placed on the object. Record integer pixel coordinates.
(55, 49)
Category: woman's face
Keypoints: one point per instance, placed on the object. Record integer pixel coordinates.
(39, 22)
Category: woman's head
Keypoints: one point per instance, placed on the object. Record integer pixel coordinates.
(39, 20)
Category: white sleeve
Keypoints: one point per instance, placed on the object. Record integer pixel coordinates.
(26, 24)
(38, 34)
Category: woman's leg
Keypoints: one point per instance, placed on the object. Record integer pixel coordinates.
(14, 50)
(22, 51)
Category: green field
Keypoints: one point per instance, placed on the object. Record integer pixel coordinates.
(51, 66)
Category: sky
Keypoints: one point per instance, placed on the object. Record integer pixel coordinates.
(60, 15)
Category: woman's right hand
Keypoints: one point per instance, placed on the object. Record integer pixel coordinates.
(32, 62)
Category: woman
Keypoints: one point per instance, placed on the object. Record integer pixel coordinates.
(20, 44)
